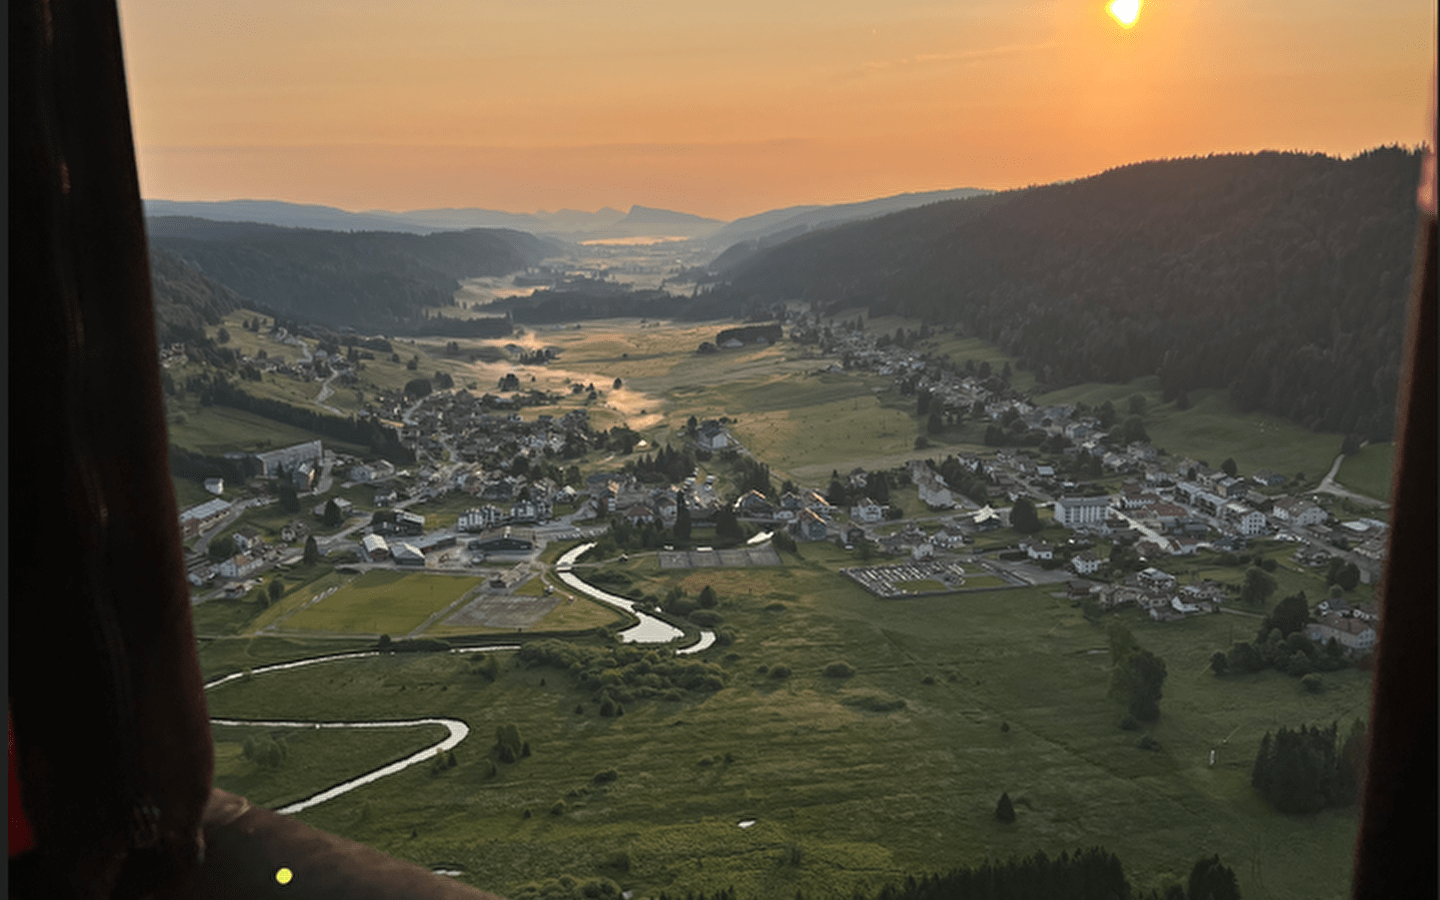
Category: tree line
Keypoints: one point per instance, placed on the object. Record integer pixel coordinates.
(1088, 874)
(1308, 769)
(382, 440)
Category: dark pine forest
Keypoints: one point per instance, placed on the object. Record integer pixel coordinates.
(1278, 277)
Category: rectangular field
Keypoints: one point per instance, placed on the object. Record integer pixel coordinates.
(701, 559)
(382, 602)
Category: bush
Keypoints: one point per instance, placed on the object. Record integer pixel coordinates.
(706, 618)
(1129, 723)
(1004, 727)
(1313, 683)
(1148, 742)
(605, 776)
(839, 669)
(1005, 810)
(558, 809)
(780, 671)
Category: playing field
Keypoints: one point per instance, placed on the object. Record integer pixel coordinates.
(382, 602)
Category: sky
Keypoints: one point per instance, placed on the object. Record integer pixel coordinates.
(726, 110)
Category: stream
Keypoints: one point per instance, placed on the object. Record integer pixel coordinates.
(650, 631)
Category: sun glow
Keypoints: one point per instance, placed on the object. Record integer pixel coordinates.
(1124, 11)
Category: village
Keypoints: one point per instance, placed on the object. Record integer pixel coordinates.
(483, 449)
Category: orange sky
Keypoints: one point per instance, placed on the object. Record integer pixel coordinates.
(730, 109)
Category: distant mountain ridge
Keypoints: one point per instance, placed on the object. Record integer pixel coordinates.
(370, 280)
(771, 227)
(567, 224)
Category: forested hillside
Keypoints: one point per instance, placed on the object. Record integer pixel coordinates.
(1280, 277)
(366, 280)
(185, 300)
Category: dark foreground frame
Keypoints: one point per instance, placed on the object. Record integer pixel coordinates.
(111, 733)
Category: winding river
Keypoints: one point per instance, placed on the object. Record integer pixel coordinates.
(650, 631)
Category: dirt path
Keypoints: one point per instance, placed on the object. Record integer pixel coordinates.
(1328, 485)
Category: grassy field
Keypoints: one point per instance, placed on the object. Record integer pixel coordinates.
(865, 786)
(214, 430)
(383, 602)
(1369, 471)
(1211, 431)
(314, 757)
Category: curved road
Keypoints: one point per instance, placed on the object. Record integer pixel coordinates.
(650, 631)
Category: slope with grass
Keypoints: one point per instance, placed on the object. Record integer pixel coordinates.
(851, 781)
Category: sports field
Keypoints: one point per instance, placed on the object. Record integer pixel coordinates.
(382, 601)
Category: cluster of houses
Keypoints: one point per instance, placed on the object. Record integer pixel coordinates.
(480, 430)
(1161, 595)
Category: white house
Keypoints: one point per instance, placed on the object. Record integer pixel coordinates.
(1086, 563)
(374, 546)
(1352, 634)
(1074, 511)
(867, 511)
(933, 490)
(215, 486)
(1154, 579)
(1298, 512)
(1252, 523)
(1040, 550)
(712, 436)
(239, 566)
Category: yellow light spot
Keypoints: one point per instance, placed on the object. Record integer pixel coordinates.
(1124, 11)
(284, 875)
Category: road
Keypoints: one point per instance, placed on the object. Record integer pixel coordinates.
(1328, 485)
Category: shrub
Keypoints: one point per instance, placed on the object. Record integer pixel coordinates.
(1004, 727)
(839, 669)
(1148, 742)
(558, 809)
(605, 776)
(1129, 723)
(705, 618)
(1313, 683)
(780, 671)
(1005, 810)
(928, 679)
(775, 607)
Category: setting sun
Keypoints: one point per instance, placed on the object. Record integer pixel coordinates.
(1124, 11)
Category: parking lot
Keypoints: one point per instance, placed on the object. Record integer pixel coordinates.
(884, 581)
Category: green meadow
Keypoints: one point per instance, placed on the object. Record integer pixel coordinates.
(313, 757)
(851, 781)
(1369, 471)
(383, 601)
